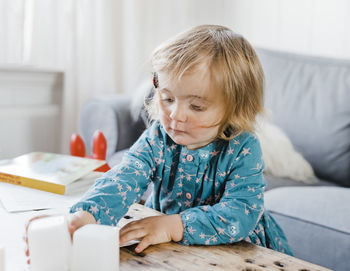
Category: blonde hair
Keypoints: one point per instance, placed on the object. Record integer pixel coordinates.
(234, 69)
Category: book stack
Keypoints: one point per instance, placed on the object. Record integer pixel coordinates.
(47, 171)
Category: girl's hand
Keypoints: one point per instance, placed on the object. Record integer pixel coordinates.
(75, 221)
(153, 230)
(79, 219)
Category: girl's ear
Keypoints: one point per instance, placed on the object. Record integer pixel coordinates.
(155, 80)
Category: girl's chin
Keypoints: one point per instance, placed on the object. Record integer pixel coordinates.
(186, 142)
(179, 138)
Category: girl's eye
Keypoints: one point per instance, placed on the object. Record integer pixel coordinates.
(196, 107)
(167, 100)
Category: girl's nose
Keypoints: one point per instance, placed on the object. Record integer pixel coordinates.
(177, 114)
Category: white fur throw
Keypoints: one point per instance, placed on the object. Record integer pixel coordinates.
(279, 155)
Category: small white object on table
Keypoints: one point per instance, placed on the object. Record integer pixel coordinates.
(2, 258)
(49, 244)
(96, 247)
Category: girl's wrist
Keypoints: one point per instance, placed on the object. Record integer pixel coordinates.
(86, 217)
(177, 228)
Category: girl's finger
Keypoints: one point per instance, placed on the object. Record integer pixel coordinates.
(132, 235)
(26, 251)
(73, 225)
(131, 226)
(145, 243)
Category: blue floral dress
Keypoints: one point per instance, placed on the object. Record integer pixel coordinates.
(218, 189)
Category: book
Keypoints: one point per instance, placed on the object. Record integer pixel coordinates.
(18, 198)
(49, 172)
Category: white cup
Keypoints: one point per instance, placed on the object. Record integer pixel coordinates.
(49, 244)
(2, 258)
(96, 247)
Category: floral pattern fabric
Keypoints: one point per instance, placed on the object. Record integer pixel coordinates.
(217, 189)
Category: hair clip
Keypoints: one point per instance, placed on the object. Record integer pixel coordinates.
(155, 80)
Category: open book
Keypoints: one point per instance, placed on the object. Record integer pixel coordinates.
(46, 171)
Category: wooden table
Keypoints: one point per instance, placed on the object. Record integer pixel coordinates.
(169, 256)
(240, 256)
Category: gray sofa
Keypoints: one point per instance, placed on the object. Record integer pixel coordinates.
(310, 101)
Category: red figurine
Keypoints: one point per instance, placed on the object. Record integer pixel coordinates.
(77, 146)
(99, 148)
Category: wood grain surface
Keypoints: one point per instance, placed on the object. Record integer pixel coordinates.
(239, 256)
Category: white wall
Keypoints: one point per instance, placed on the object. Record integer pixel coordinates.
(317, 27)
(147, 23)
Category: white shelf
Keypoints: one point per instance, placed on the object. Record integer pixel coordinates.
(30, 110)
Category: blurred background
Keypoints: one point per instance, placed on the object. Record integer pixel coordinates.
(56, 54)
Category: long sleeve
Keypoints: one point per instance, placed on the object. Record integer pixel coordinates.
(112, 194)
(239, 209)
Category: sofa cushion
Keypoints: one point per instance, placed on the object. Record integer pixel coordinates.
(316, 221)
(310, 100)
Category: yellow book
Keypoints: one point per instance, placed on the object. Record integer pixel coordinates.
(46, 171)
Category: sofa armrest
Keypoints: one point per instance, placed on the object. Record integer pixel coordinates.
(112, 116)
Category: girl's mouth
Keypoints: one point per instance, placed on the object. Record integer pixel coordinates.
(176, 131)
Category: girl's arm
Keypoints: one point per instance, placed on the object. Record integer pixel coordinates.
(240, 208)
(112, 194)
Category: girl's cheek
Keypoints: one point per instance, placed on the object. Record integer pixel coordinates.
(163, 109)
(164, 114)
(202, 122)
(194, 122)
(164, 119)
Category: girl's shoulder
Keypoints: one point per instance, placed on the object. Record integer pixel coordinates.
(244, 142)
(245, 138)
(243, 151)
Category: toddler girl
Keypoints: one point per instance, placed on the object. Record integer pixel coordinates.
(200, 153)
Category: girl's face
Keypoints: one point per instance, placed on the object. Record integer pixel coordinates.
(190, 109)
